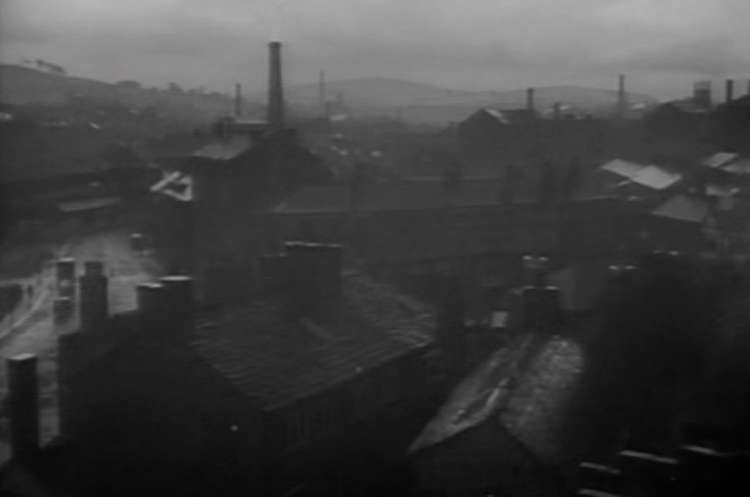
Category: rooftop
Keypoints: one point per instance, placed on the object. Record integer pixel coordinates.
(224, 149)
(276, 361)
(408, 194)
(683, 208)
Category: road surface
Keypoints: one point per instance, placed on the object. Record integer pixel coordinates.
(33, 331)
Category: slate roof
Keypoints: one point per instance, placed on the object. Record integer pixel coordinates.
(622, 168)
(683, 208)
(275, 361)
(525, 386)
(656, 178)
(740, 166)
(719, 159)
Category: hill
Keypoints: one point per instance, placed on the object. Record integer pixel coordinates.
(21, 85)
(425, 103)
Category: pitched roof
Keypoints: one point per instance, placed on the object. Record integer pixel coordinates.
(683, 208)
(740, 166)
(719, 159)
(656, 178)
(525, 386)
(622, 168)
(275, 361)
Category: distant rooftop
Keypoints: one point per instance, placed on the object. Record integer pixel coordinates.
(224, 149)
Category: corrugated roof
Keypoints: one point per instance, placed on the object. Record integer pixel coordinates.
(622, 168)
(276, 362)
(683, 208)
(224, 150)
(719, 159)
(656, 178)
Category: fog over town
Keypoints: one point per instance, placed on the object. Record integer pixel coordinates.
(374, 248)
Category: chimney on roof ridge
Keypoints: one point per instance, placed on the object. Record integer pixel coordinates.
(275, 87)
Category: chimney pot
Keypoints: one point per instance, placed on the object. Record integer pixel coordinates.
(23, 406)
(178, 304)
(94, 299)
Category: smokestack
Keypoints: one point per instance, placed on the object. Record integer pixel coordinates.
(23, 406)
(275, 87)
(237, 100)
(94, 302)
(702, 93)
(621, 98)
(730, 90)
(530, 99)
(322, 94)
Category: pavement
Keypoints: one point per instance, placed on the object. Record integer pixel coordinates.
(32, 330)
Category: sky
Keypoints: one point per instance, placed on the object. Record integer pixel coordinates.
(662, 45)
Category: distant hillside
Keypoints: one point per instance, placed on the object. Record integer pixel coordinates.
(22, 85)
(423, 102)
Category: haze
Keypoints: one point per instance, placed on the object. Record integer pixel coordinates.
(663, 45)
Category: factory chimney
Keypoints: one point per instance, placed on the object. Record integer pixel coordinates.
(322, 94)
(237, 100)
(275, 87)
(702, 93)
(530, 99)
(621, 98)
(730, 90)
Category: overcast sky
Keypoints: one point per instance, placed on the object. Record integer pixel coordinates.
(663, 45)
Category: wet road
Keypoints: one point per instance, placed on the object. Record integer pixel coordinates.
(34, 331)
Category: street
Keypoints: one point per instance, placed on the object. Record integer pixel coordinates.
(32, 330)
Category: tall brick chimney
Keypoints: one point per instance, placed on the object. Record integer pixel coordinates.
(275, 87)
(621, 97)
(237, 100)
(702, 93)
(729, 90)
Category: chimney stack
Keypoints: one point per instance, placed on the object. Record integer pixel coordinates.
(177, 305)
(94, 300)
(556, 111)
(314, 280)
(702, 93)
(65, 270)
(23, 406)
(150, 301)
(275, 87)
(322, 94)
(729, 90)
(621, 98)
(237, 100)
(530, 99)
